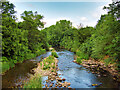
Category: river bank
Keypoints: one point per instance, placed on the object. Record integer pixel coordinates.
(99, 68)
(49, 67)
(6, 65)
(76, 75)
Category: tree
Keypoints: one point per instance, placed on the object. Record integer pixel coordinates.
(114, 9)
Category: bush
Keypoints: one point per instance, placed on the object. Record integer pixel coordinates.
(82, 55)
(54, 54)
(6, 66)
(47, 62)
(4, 59)
(108, 61)
(79, 60)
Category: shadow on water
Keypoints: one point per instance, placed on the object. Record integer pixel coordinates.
(21, 72)
(77, 75)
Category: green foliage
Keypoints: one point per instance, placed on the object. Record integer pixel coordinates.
(87, 42)
(109, 61)
(82, 55)
(54, 54)
(48, 63)
(79, 60)
(4, 59)
(114, 8)
(21, 40)
(6, 66)
(34, 82)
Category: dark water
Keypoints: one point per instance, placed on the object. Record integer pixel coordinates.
(21, 72)
(77, 75)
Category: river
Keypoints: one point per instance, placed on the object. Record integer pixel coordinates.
(77, 75)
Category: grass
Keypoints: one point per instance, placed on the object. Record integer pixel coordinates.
(34, 82)
(6, 66)
(49, 62)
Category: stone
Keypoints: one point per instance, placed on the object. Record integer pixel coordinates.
(60, 85)
(51, 85)
(51, 79)
(98, 75)
(94, 84)
(59, 79)
(63, 79)
(104, 75)
(46, 85)
(68, 84)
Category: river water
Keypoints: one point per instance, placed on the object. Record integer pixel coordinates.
(77, 75)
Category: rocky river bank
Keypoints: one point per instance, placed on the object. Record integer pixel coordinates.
(99, 68)
(54, 80)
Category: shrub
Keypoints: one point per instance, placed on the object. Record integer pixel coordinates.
(54, 54)
(79, 60)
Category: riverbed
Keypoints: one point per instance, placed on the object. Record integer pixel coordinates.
(77, 75)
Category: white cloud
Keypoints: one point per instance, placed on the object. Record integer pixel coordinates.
(86, 21)
(83, 19)
(52, 21)
(18, 14)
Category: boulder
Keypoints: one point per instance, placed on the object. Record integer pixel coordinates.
(63, 79)
(68, 84)
(59, 79)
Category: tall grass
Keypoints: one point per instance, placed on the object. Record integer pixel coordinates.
(34, 82)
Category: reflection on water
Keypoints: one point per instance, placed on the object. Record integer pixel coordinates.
(77, 75)
(17, 75)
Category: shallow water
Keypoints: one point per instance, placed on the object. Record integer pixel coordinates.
(77, 75)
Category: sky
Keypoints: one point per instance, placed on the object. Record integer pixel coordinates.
(87, 12)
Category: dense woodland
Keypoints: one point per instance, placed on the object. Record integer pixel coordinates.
(23, 40)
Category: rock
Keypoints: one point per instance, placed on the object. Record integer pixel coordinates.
(56, 85)
(60, 85)
(93, 72)
(65, 85)
(46, 81)
(94, 84)
(104, 75)
(68, 84)
(74, 60)
(63, 79)
(53, 73)
(46, 85)
(98, 75)
(51, 79)
(59, 74)
(51, 85)
(59, 79)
